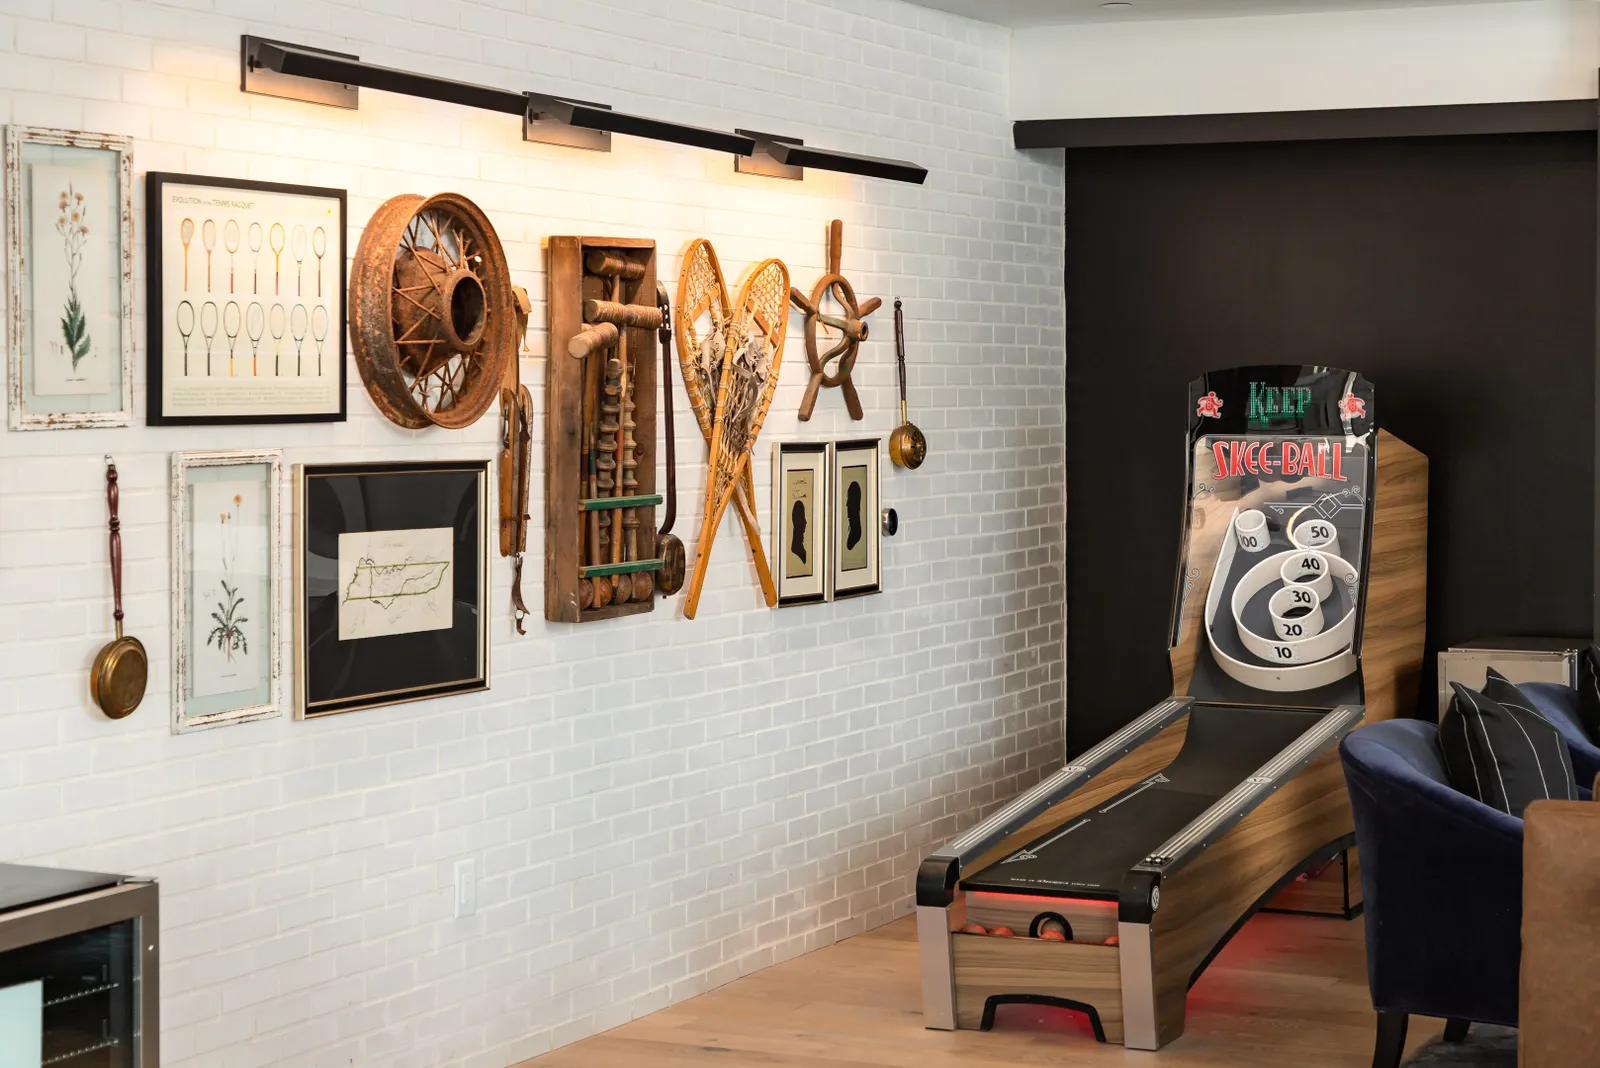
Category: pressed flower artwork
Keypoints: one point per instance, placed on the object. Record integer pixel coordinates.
(75, 294)
(73, 226)
(69, 261)
(225, 655)
(229, 537)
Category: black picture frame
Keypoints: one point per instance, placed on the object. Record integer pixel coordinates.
(338, 672)
(863, 455)
(156, 244)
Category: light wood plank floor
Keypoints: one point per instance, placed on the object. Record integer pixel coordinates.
(1288, 990)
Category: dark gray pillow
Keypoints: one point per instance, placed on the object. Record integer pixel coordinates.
(1589, 691)
(1500, 751)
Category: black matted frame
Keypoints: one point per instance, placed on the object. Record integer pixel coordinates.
(155, 183)
(387, 491)
(871, 528)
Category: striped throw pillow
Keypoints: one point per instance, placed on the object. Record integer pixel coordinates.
(1500, 751)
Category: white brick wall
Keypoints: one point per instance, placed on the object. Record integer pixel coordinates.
(656, 806)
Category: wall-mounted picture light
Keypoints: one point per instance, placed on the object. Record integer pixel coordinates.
(318, 76)
(776, 156)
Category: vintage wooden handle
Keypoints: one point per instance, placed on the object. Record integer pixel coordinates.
(592, 339)
(802, 302)
(612, 265)
(112, 498)
(508, 472)
(900, 354)
(641, 316)
(835, 245)
(670, 513)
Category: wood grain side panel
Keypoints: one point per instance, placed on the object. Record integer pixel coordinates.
(1397, 582)
(1203, 900)
(1143, 762)
(563, 384)
(986, 966)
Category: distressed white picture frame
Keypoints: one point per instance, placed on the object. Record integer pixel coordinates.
(185, 718)
(113, 235)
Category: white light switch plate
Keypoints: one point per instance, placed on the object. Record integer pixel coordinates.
(466, 888)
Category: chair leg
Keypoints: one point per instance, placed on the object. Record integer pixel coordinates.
(1456, 1030)
(1391, 1043)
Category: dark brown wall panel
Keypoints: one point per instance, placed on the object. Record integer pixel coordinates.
(1457, 273)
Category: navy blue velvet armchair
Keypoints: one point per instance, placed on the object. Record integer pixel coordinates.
(1441, 877)
(1559, 705)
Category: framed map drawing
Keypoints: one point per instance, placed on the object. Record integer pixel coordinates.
(856, 533)
(395, 582)
(246, 315)
(225, 642)
(391, 583)
(69, 278)
(801, 521)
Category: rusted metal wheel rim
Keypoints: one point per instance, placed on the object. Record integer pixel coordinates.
(431, 311)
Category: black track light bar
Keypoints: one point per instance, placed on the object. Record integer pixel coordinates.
(315, 65)
(584, 116)
(777, 156)
(318, 76)
(825, 159)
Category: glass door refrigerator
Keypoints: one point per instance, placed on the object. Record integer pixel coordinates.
(78, 969)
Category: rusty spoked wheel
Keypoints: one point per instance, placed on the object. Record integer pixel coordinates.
(431, 311)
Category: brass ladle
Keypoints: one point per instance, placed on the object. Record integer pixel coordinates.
(121, 669)
(907, 447)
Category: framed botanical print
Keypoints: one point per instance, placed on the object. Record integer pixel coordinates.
(225, 659)
(246, 311)
(69, 278)
(391, 583)
(800, 523)
(853, 484)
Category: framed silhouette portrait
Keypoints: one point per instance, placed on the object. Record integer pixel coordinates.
(854, 548)
(801, 522)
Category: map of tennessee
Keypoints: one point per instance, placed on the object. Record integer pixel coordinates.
(386, 584)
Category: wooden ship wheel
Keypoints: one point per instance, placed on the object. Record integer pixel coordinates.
(432, 313)
(847, 331)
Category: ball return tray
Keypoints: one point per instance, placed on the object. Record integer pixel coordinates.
(1164, 839)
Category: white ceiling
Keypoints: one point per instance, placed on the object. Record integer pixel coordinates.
(1079, 12)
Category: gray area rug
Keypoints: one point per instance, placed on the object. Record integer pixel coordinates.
(1486, 1046)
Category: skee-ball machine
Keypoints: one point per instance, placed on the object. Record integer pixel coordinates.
(1298, 611)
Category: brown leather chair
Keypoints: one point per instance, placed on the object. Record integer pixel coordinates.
(1559, 999)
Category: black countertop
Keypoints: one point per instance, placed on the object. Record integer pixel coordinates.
(22, 886)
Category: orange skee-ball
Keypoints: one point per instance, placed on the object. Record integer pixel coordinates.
(1003, 932)
(975, 928)
(1053, 936)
